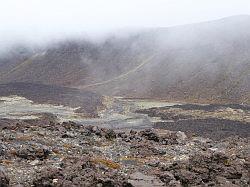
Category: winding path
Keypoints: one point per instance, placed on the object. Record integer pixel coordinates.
(120, 76)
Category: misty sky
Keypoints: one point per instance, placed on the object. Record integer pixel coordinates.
(43, 19)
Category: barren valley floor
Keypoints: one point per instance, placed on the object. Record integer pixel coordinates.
(127, 143)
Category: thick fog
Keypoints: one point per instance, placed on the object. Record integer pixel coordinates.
(209, 58)
(43, 20)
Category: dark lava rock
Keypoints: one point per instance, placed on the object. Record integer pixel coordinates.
(110, 134)
(122, 135)
(150, 135)
(211, 107)
(207, 168)
(46, 178)
(94, 130)
(68, 135)
(4, 180)
(169, 139)
(32, 153)
(79, 172)
(166, 177)
(2, 149)
(216, 129)
(107, 183)
(187, 178)
(132, 132)
(148, 157)
(97, 131)
(154, 163)
(65, 136)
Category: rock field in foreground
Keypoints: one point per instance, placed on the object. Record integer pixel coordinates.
(45, 153)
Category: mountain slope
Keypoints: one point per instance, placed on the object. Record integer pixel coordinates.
(204, 62)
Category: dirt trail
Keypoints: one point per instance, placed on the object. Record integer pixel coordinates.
(24, 63)
(148, 60)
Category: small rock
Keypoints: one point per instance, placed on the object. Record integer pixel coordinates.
(97, 131)
(181, 136)
(2, 149)
(4, 180)
(166, 177)
(154, 163)
(174, 183)
(34, 162)
(132, 132)
(41, 133)
(122, 135)
(159, 151)
(150, 135)
(110, 134)
(54, 181)
(68, 135)
(32, 153)
(186, 177)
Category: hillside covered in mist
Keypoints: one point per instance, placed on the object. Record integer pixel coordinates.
(203, 62)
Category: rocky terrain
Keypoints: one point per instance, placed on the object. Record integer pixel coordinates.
(121, 112)
(88, 103)
(212, 121)
(43, 152)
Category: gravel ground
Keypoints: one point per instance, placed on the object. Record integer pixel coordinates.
(43, 152)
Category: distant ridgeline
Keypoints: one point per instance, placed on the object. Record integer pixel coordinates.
(207, 62)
